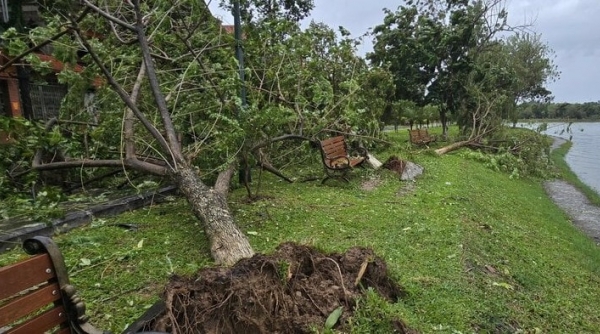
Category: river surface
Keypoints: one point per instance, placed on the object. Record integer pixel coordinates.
(584, 156)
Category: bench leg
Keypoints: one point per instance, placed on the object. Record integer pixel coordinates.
(340, 174)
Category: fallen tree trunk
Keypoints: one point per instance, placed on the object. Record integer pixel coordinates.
(373, 162)
(227, 243)
(454, 146)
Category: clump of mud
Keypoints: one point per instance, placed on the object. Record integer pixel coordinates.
(394, 164)
(291, 291)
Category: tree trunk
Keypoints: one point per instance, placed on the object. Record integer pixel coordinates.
(444, 121)
(227, 243)
(453, 147)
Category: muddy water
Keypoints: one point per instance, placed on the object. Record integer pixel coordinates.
(584, 156)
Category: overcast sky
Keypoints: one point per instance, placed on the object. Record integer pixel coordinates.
(570, 27)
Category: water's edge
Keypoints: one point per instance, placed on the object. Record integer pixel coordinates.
(583, 157)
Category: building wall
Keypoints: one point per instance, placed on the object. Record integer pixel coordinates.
(11, 101)
(14, 100)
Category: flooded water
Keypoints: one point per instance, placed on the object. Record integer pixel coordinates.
(584, 155)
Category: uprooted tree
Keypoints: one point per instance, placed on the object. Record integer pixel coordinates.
(165, 87)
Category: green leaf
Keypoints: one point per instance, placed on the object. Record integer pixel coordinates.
(504, 285)
(333, 318)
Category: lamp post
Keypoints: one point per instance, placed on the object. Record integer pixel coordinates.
(244, 173)
(239, 51)
(13, 15)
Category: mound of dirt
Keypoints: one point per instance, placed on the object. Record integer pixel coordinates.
(394, 164)
(291, 291)
(406, 170)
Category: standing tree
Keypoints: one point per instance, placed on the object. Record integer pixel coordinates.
(434, 48)
(531, 66)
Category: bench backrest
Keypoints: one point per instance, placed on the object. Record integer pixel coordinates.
(335, 153)
(31, 300)
(419, 136)
(334, 147)
(36, 296)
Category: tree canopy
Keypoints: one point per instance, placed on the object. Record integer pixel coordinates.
(462, 56)
(166, 94)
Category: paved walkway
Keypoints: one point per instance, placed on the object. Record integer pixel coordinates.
(583, 214)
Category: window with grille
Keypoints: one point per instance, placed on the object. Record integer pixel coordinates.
(46, 100)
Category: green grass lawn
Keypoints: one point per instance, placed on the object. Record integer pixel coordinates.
(477, 251)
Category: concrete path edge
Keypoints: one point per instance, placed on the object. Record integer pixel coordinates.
(15, 237)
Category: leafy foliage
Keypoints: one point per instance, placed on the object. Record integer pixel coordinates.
(313, 79)
(22, 140)
(452, 54)
(456, 241)
(520, 153)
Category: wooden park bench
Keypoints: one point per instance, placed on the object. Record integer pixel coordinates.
(336, 160)
(420, 137)
(36, 296)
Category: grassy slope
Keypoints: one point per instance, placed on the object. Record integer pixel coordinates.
(476, 250)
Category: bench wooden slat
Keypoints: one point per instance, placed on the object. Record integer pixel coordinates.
(36, 296)
(29, 303)
(420, 137)
(331, 147)
(42, 323)
(356, 161)
(332, 152)
(335, 154)
(332, 140)
(25, 274)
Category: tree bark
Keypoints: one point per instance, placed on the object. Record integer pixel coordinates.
(224, 179)
(227, 243)
(453, 147)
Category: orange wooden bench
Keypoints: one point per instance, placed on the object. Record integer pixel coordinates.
(421, 137)
(336, 160)
(36, 296)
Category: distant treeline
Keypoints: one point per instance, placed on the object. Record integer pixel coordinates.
(582, 111)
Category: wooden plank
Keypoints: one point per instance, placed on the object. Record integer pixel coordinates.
(334, 147)
(25, 274)
(335, 153)
(330, 146)
(29, 303)
(42, 323)
(356, 161)
(332, 140)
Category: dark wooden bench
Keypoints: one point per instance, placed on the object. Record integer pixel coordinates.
(420, 137)
(36, 296)
(336, 160)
